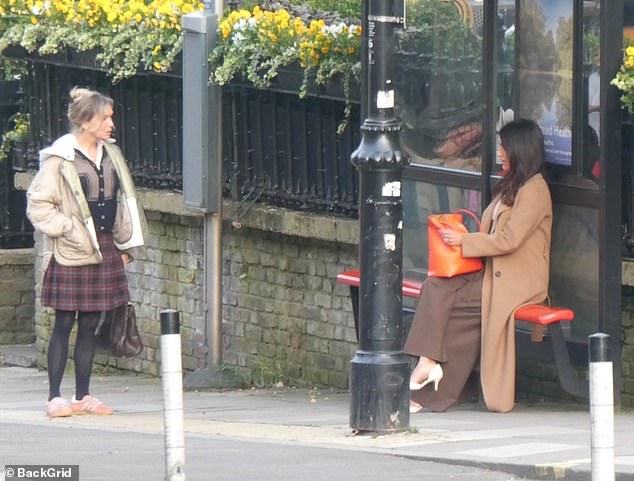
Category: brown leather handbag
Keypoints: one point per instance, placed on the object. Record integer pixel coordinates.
(446, 260)
(117, 332)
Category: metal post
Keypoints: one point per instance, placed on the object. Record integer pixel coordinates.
(172, 379)
(203, 177)
(601, 407)
(380, 370)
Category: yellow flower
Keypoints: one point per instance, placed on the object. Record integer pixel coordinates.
(299, 26)
(225, 29)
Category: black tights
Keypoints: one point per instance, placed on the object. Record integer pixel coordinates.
(84, 350)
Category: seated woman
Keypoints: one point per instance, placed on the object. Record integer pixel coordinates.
(467, 317)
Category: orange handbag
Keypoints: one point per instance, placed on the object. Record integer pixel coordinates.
(446, 260)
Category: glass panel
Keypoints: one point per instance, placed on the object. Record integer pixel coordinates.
(574, 266)
(438, 77)
(506, 67)
(545, 73)
(591, 85)
(420, 200)
(627, 147)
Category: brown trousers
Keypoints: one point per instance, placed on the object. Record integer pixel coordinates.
(446, 328)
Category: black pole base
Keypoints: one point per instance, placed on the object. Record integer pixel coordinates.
(379, 396)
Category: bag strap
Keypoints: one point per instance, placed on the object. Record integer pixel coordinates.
(102, 319)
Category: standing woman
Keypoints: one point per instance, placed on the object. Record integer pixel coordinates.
(83, 199)
(458, 319)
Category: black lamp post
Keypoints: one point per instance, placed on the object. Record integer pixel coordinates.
(379, 370)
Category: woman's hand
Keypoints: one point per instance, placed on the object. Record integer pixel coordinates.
(451, 237)
(126, 259)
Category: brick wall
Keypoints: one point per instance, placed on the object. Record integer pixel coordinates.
(627, 354)
(16, 296)
(281, 303)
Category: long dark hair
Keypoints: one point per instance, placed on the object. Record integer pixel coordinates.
(523, 142)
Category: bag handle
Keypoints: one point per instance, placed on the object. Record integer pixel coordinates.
(470, 213)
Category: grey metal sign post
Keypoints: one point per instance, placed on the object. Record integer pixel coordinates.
(203, 176)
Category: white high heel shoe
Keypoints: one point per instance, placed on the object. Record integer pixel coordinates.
(435, 376)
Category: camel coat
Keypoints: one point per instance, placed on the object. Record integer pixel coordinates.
(517, 252)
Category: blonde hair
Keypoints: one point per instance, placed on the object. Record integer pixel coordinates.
(84, 104)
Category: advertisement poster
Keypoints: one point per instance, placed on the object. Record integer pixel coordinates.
(545, 73)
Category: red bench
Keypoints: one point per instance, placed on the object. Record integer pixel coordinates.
(540, 316)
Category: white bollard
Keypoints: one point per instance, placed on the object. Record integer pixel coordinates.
(172, 377)
(601, 408)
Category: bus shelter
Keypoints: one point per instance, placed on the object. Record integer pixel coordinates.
(464, 69)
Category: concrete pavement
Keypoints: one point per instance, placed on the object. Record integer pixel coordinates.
(535, 441)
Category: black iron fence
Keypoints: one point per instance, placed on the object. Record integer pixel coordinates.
(287, 151)
(15, 230)
(277, 147)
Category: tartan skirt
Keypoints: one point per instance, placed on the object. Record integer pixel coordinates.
(95, 287)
